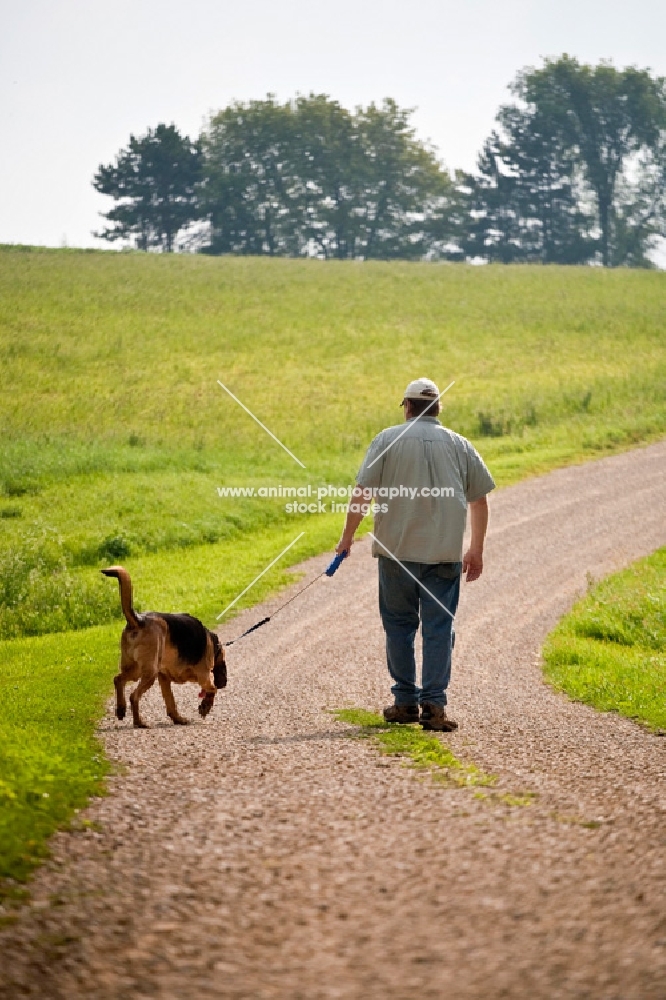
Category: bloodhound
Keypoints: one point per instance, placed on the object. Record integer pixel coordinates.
(168, 648)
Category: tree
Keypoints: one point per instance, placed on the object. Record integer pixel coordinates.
(525, 200)
(153, 182)
(494, 229)
(548, 189)
(309, 177)
(246, 191)
(602, 116)
(640, 210)
(327, 166)
(406, 194)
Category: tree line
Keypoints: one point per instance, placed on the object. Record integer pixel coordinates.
(574, 172)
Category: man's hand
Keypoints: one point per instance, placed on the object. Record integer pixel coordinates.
(345, 544)
(472, 565)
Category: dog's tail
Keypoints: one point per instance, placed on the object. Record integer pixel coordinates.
(123, 579)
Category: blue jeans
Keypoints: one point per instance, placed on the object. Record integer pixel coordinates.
(401, 599)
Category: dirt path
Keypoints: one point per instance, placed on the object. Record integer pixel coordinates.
(263, 853)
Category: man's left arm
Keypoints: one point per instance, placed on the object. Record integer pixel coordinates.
(367, 479)
(358, 508)
(473, 558)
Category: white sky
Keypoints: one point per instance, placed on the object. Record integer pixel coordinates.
(78, 76)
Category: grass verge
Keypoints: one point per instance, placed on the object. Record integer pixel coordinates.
(610, 650)
(421, 749)
(52, 693)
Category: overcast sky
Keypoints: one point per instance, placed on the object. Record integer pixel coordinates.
(78, 76)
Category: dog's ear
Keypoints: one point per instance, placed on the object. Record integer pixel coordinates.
(217, 645)
(220, 673)
(219, 665)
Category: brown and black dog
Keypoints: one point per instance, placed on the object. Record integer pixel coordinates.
(167, 648)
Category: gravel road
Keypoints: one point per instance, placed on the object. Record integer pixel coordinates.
(265, 854)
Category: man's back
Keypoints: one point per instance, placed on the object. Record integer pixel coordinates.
(425, 475)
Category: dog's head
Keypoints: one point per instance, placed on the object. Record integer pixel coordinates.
(219, 663)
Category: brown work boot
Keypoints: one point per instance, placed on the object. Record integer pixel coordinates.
(402, 714)
(434, 717)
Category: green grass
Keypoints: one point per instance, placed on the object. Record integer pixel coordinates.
(52, 693)
(106, 349)
(114, 434)
(610, 650)
(421, 749)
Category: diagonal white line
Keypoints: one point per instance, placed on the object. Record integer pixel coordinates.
(249, 586)
(263, 426)
(408, 424)
(422, 585)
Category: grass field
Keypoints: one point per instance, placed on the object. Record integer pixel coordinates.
(115, 436)
(610, 651)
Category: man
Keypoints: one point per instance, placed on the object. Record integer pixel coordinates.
(423, 477)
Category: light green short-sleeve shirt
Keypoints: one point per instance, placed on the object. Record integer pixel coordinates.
(421, 486)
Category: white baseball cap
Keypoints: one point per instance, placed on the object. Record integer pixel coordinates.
(421, 388)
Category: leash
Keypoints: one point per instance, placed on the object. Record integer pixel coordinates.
(329, 571)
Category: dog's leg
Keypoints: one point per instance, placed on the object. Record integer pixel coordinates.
(208, 690)
(129, 671)
(144, 685)
(206, 703)
(170, 701)
(121, 704)
(148, 655)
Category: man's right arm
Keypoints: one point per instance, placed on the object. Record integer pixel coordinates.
(473, 558)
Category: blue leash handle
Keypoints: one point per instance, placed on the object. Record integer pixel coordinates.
(335, 563)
